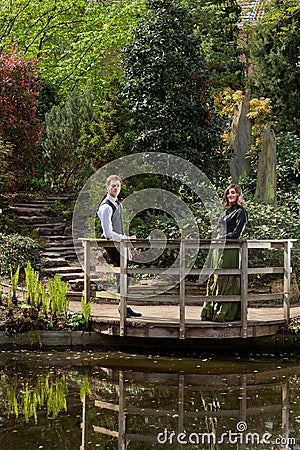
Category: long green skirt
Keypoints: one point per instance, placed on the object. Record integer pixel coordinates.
(224, 285)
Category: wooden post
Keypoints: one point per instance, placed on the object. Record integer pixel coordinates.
(123, 285)
(244, 288)
(285, 412)
(122, 416)
(287, 279)
(84, 424)
(182, 291)
(87, 270)
(181, 403)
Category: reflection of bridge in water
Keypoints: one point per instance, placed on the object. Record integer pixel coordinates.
(147, 410)
(173, 292)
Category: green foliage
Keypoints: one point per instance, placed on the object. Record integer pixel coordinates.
(269, 222)
(167, 86)
(86, 311)
(76, 321)
(74, 41)
(58, 296)
(43, 308)
(33, 286)
(288, 165)
(275, 56)
(65, 165)
(109, 135)
(216, 23)
(16, 250)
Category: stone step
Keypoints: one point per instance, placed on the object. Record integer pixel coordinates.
(33, 204)
(59, 241)
(40, 220)
(54, 198)
(54, 254)
(65, 269)
(58, 226)
(26, 211)
(69, 276)
(64, 249)
(66, 275)
(50, 263)
(58, 255)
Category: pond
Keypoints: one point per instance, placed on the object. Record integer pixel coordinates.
(114, 400)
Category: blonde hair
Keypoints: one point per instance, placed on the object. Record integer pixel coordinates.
(238, 190)
(112, 177)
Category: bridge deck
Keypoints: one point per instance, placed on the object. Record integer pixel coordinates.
(162, 321)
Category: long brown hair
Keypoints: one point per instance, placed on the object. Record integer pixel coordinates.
(238, 190)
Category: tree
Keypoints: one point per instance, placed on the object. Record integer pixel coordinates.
(74, 41)
(167, 85)
(275, 57)
(20, 124)
(109, 136)
(217, 24)
(65, 162)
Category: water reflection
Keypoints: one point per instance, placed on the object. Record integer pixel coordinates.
(113, 401)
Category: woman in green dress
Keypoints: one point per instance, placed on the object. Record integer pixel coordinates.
(233, 222)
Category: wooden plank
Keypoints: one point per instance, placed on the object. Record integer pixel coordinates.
(106, 294)
(105, 431)
(264, 270)
(175, 271)
(157, 271)
(106, 405)
(148, 411)
(259, 244)
(107, 269)
(264, 297)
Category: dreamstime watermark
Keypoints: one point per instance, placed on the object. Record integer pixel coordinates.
(240, 436)
(172, 168)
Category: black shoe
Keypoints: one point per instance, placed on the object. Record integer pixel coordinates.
(132, 313)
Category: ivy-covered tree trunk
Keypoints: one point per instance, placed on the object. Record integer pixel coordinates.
(168, 87)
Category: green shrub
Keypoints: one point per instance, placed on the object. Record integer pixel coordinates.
(16, 250)
(269, 222)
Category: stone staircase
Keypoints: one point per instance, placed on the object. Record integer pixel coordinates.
(47, 218)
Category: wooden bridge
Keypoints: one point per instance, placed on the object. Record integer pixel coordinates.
(171, 309)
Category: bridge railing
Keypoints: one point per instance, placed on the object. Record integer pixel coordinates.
(181, 271)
